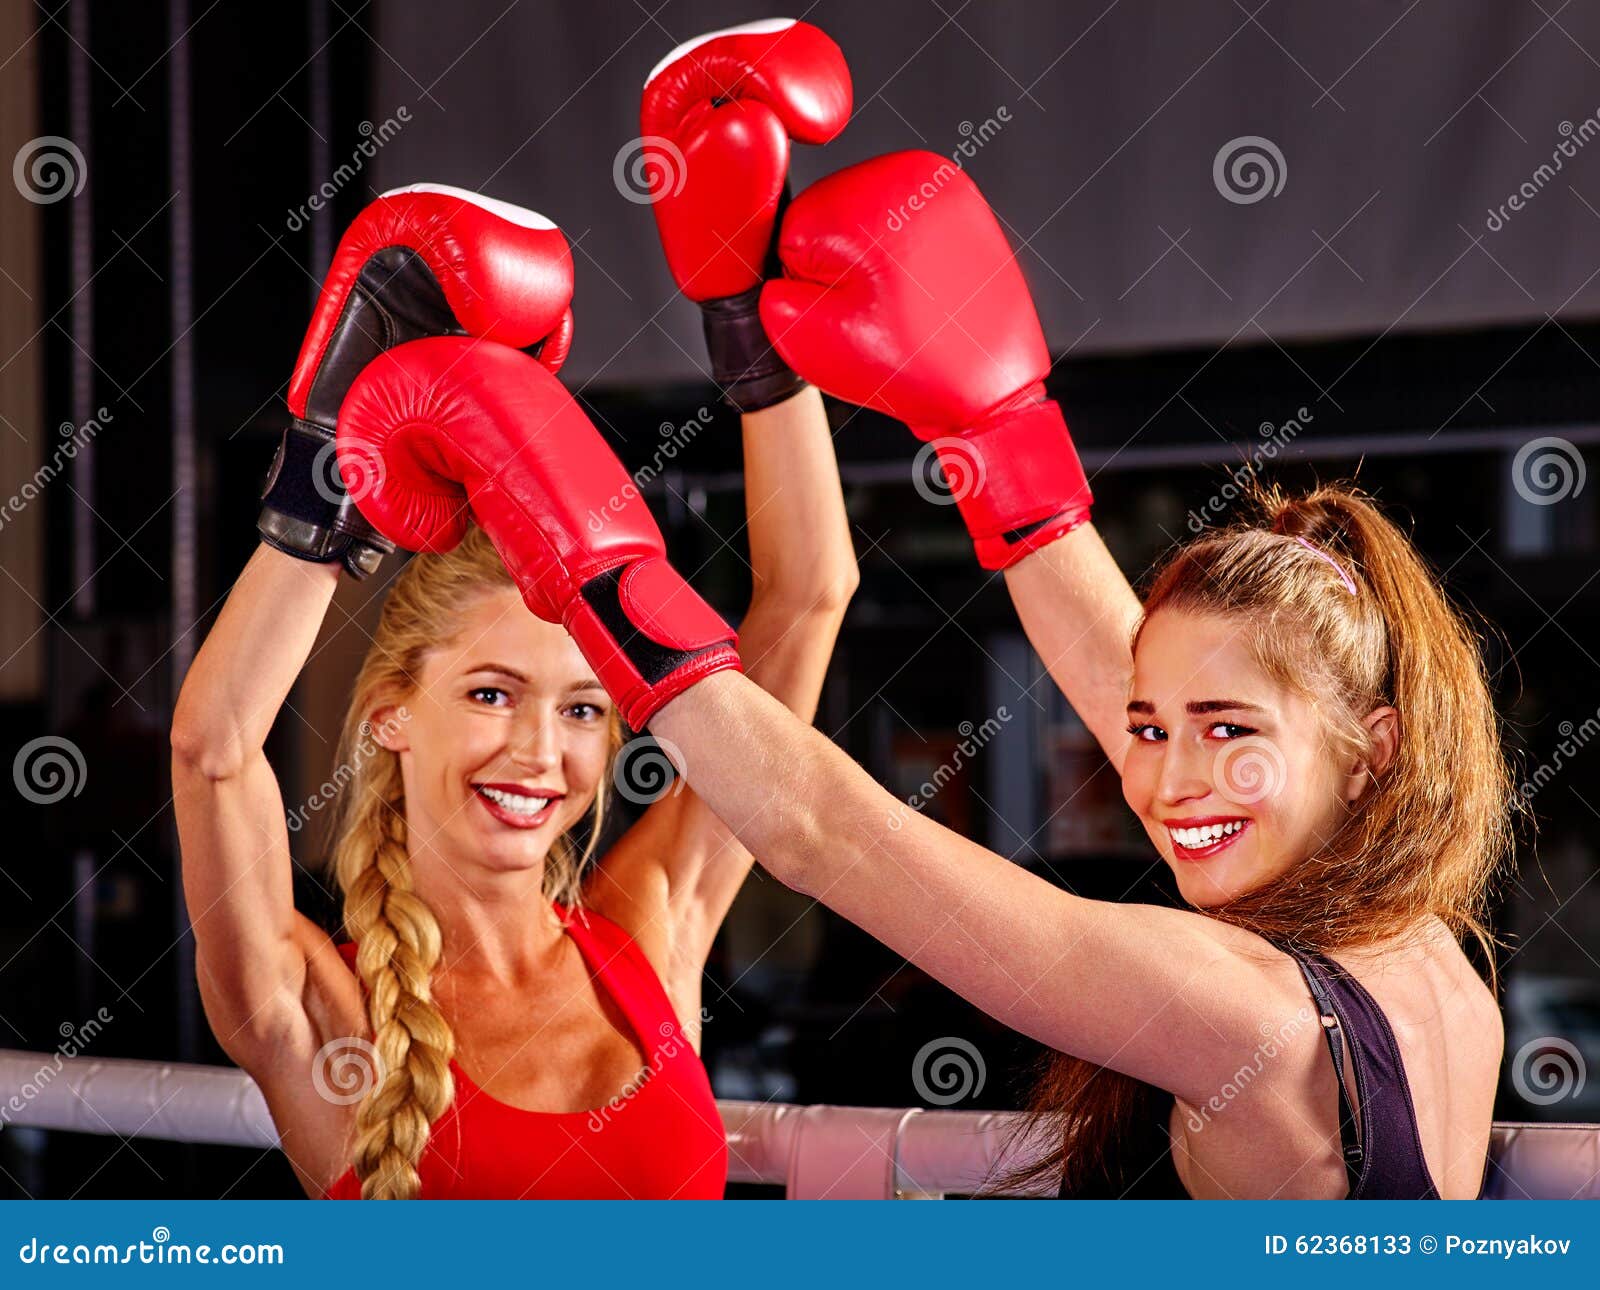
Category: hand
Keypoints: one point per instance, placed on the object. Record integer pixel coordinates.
(901, 294)
(727, 105)
(419, 261)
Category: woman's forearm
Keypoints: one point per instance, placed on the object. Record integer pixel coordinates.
(769, 777)
(249, 660)
(803, 567)
(1080, 613)
(800, 550)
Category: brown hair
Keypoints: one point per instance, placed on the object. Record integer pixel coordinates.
(399, 936)
(1428, 838)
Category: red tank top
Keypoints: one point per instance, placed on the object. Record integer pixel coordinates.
(659, 1139)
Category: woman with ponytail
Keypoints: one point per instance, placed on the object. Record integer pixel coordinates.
(1365, 810)
(517, 1012)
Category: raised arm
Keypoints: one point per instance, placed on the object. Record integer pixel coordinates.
(901, 294)
(719, 113)
(251, 947)
(418, 261)
(1080, 613)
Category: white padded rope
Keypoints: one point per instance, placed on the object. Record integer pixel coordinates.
(811, 1151)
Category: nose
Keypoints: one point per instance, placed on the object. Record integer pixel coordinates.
(535, 739)
(1185, 772)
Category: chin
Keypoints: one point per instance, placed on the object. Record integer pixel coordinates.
(1208, 886)
(1202, 893)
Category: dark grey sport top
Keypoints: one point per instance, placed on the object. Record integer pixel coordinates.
(1383, 1161)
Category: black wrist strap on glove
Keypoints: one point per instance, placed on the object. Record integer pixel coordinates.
(749, 371)
(306, 511)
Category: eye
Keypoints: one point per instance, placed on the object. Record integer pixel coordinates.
(1146, 733)
(586, 711)
(1231, 730)
(490, 690)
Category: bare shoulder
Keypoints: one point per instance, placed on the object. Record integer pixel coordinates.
(1427, 981)
(1272, 1128)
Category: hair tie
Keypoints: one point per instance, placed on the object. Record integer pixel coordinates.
(1349, 584)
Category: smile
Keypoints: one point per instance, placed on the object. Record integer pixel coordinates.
(1202, 841)
(521, 810)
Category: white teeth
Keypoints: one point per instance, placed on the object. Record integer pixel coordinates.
(1205, 835)
(515, 801)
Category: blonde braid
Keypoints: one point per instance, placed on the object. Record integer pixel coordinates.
(399, 946)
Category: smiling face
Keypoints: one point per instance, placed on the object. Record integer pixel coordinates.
(505, 742)
(1229, 772)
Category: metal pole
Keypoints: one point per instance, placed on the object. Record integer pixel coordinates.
(321, 155)
(80, 221)
(185, 535)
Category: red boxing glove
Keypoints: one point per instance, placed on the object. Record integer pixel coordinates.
(421, 261)
(901, 294)
(449, 423)
(717, 117)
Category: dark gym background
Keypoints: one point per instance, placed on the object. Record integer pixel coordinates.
(1413, 300)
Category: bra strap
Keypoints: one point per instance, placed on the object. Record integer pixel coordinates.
(1354, 1157)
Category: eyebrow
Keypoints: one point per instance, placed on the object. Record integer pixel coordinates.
(1198, 707)
(588, 683)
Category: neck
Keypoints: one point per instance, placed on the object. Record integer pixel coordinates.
(499, 925)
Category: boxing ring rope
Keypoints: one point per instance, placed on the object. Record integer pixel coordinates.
(813, 1152)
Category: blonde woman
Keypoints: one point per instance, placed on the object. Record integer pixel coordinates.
(529, 1010)
(1300, 719)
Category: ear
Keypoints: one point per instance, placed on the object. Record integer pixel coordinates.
(390, 726)
(1384, 725)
